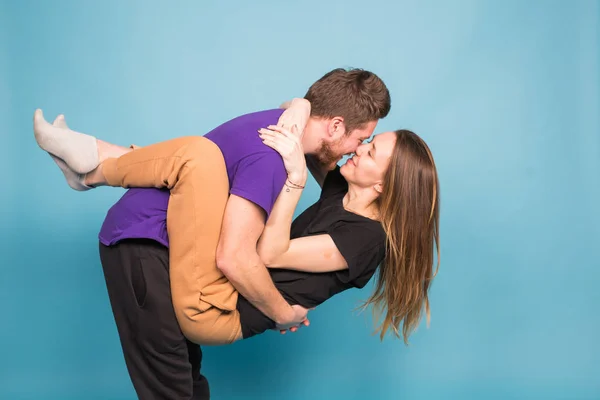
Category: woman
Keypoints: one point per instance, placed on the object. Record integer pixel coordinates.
(380, 209)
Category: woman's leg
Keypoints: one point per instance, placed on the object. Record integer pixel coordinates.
(194, 170)
(74, 179)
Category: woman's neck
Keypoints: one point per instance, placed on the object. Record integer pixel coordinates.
(361, 201)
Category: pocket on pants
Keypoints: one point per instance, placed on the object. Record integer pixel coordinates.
(138, 282)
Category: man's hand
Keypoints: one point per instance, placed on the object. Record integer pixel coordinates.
(298, 318)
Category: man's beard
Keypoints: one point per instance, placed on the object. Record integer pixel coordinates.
(326, 157)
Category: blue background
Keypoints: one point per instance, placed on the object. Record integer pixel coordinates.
(507, 94)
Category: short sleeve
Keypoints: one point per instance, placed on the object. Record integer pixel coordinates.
(363, 247)
(334, 183)
(259, 178)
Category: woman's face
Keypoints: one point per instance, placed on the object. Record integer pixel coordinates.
(368, 166)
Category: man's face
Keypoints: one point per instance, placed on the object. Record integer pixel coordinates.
(333, 148)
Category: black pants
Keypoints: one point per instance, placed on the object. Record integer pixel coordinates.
(161, 362)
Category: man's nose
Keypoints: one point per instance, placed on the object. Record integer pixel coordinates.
(359, 150)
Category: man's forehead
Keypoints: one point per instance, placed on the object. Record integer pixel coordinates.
(368, 130)
(365, 135)
(362, 134)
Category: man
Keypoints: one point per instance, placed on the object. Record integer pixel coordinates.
(162, 363)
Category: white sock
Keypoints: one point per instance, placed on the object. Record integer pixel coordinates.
(78, 150)
(74, 180)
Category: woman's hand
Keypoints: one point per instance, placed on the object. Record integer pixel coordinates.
(297, 113)
(287, 143)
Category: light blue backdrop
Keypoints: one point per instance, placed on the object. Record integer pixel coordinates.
(505, 92)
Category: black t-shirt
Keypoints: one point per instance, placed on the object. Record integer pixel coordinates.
(360, 240)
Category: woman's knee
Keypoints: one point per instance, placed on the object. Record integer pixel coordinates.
(213, 327)
(200, 148)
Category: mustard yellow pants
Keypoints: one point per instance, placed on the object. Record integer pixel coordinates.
(194, 171)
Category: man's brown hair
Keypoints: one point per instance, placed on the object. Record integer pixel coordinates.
(354, 94)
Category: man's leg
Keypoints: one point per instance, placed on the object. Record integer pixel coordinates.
(199, 381)
(162, 364)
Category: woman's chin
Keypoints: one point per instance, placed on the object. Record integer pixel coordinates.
(345, 168)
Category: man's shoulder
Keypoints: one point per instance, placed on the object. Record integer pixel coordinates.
(248, 121)
(239, 139)
(264, 159)
(261, 115)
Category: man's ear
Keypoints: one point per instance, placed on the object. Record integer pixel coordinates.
(336, 128)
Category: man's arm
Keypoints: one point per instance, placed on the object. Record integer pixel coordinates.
(238, 259)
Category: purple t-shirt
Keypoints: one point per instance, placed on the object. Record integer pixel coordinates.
(256, 173)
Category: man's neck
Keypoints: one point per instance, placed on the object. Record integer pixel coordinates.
(311, 140)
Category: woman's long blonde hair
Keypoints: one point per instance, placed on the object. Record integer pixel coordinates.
(409, 209)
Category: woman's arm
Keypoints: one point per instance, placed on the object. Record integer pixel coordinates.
(312, 254)
(297, 112)
(275, 239)
(309, 254)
